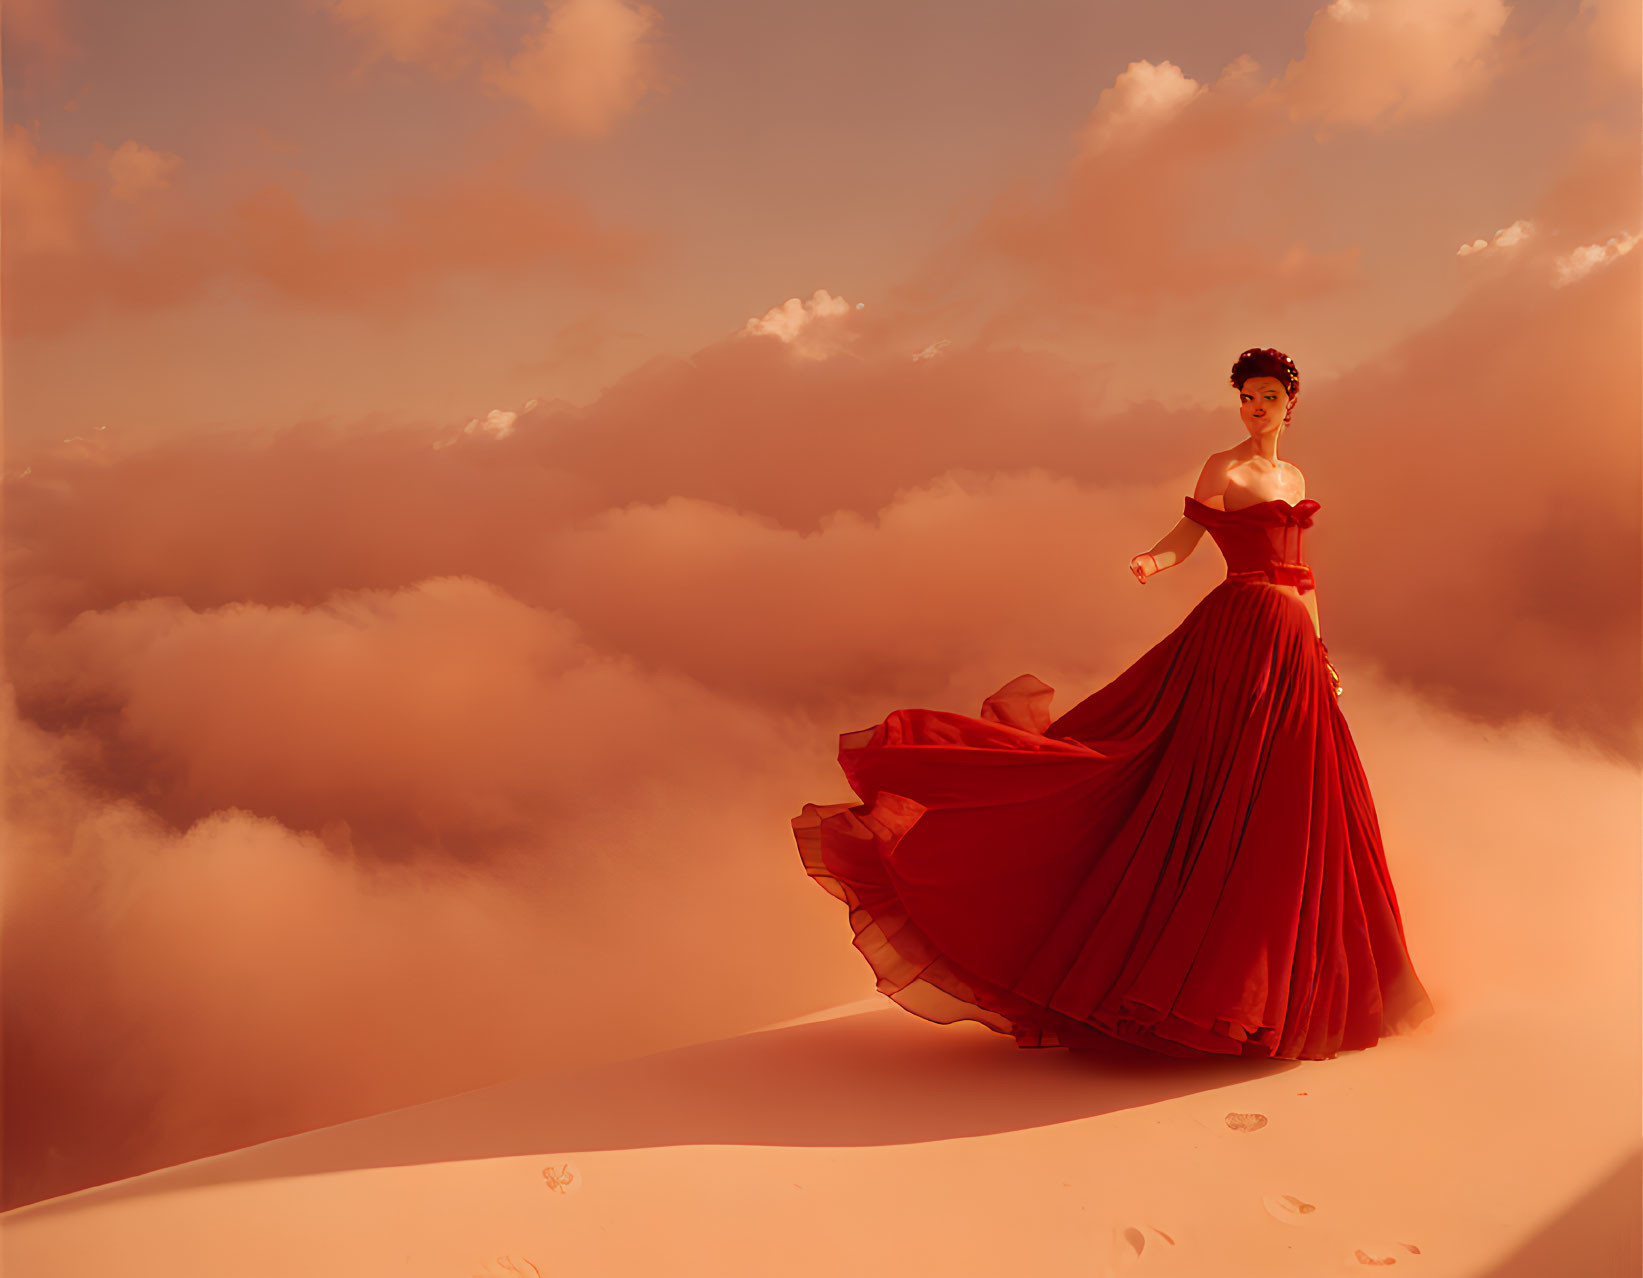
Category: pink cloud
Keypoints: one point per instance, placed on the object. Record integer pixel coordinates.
(1141, 97)
(1614, 35)
(585, 509)
(585, 341)
(585, 65)
(40, 30)
(135, 170)
(1151, 211)
(438, 35)
(578, 66)
(60, 270)
(253, 980)
(1156, 207)
(47, 203)
(1373, 62)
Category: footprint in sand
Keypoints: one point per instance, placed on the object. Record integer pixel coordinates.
(1246, 1122)
(510, 1265)
(1291, 1210)
(1287, 1207)
(1382, 1255)
(1130, 1244)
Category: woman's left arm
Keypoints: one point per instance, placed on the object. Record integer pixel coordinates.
(1310, 599)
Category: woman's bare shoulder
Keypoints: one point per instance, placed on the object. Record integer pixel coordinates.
(1211, 488)
(1297, 479)
(1216, 480)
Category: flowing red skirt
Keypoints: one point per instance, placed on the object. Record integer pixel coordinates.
(1188, 859)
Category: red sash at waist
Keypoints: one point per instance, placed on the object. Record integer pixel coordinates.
(1297, 575)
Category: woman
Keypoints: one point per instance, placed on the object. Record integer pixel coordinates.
(1188, 859)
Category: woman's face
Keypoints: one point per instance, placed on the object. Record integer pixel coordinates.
(1262, 402)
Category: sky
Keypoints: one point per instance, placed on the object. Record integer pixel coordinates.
(469, 460)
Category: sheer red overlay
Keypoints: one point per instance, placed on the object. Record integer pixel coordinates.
(1188, 859)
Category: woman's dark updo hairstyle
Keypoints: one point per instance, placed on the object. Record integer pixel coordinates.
(1263, 361)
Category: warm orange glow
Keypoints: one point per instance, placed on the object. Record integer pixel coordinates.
(466, 462)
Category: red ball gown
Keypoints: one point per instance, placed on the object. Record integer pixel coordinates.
(1188, 859)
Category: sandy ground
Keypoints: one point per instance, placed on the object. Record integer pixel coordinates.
(1497, 1140)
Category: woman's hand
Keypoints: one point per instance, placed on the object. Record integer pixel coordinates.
(1329, 667)
(1144, 565)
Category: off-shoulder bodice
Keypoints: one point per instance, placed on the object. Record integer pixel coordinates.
(1261, 542)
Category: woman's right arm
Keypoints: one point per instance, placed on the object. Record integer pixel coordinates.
(1179, 541)
(1175, 545)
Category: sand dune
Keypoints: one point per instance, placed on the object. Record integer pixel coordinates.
(864, 1137)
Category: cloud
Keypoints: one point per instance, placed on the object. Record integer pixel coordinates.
(579, 66)
(61, 267)
(438, 35)
(803, 325)
(1614, 34)
(134, 170)
(1598, 190)
(219, 706)
(39, 29)
(582, 343)
(47, 205)
(1386, 62)
(586, 65)
(498, 423)
(259, 960)
(1155, 219)
(1582, 261)
(1504, 238)
(1151, 214)
(1142, 97)
(650, 515)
